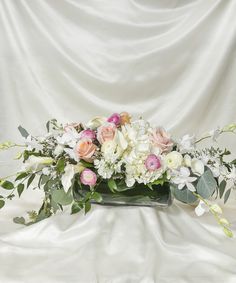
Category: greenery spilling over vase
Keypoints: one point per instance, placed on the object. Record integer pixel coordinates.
(118, 160)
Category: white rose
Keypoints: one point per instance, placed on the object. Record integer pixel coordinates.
(96, 122)
(36, 163)
(197, 166)
(110, 148)
(173, 160)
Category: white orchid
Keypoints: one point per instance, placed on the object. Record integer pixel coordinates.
(70, 137)
(201, 208)
(182, 178)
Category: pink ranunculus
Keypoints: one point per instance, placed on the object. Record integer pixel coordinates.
(88, 177)
(106, 133)
(161, 139)
(152, 162)
(115, 119)
(88, 134)
(85, 149)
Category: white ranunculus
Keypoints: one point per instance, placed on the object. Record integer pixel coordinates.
(187, 160)
(173, 160)
(197, 166)
(36, 163)
(96, 122)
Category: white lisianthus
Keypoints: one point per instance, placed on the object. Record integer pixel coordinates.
(36, 163)
(197, 166)
(96, 122)
(173, 160)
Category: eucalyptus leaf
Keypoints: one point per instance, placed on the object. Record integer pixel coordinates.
(183, 195)
(23, 132)
(206, 185)
(61, 197)
(2, 203)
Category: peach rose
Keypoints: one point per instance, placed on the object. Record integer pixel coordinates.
(85, 149)
(106, 133)
(125, 118)
(161, 139)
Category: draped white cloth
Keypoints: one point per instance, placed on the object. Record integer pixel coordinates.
(174, 63)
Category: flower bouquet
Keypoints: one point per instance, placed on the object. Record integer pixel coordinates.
(120, 161)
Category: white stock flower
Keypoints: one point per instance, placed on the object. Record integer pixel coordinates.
(201, 208)
(182, 178)
(197, 166)
(174, 160)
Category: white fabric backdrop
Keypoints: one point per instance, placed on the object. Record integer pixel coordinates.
(174, 63)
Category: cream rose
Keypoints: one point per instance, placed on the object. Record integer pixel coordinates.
(161, 139)
(106, 133)
(85, 150)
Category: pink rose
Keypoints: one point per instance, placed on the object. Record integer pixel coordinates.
(88, 134)
(85, 149)
(115, 118)
(161, 139)
(88, 177)
(106, 133)
(152, 162)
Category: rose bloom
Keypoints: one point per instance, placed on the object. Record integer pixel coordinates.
(88, 177)
(76, 126)
(161, 139)
(106, 133)
(115, 118)
(88, 134)
(85, 149)
(125, 118)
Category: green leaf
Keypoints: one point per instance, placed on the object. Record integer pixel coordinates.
(87, 207)
(206, 185)
(61, 197)
(86, 164)
(96, 196)
(20, 189)
(227, 194)
(23, 132)
(158, 182)
(30, 180)
(44, 179)
(61, 163)
(222, 188)
(76, 207)
(19, 220)
(2, 203)
(183, 195)
(112, 185)
(7, 185)
(21, 176)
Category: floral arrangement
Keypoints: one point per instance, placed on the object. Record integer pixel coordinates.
(120, 153)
